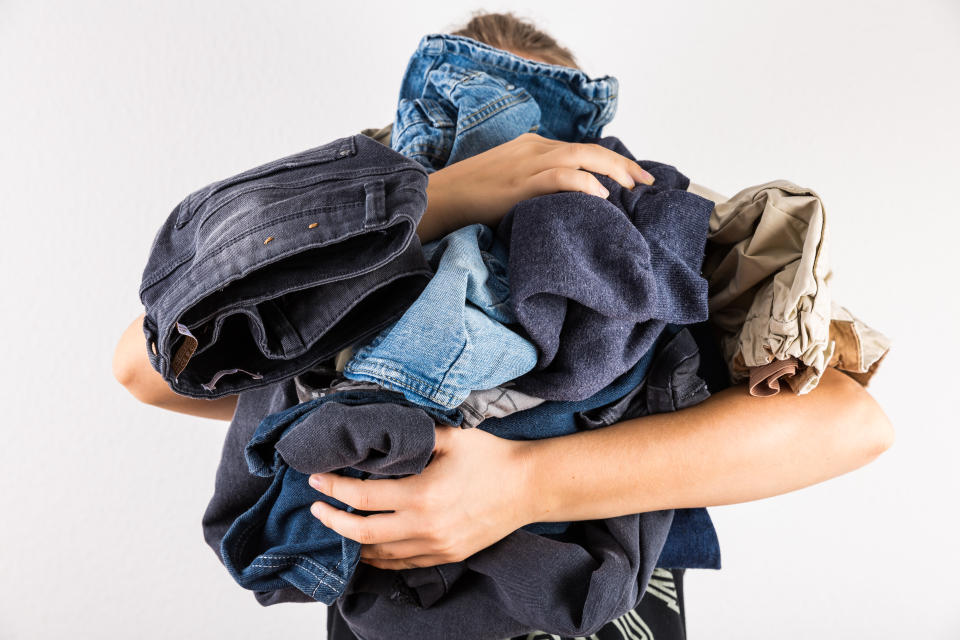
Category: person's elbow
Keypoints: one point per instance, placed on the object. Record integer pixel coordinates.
(126, 371)
(132, 369)
(873, 430)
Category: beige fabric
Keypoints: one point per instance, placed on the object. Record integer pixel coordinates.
(767, 262)
(343, 357)
(706, 192)
(859, 348)
(381, 135)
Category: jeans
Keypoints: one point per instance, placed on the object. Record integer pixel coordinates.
(460, 97)
(453, 339)
(258, 277)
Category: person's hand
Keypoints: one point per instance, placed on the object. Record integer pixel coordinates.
(484, 187)
(471, 494)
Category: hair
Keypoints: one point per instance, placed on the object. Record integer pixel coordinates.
(507, 31)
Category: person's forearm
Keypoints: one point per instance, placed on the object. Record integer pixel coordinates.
(132, 369)
(731, 448)
(440, 217)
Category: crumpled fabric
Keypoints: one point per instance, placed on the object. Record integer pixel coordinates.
(603, 277)
(462, 315)
(768, 265)
(460, 97)
(498, 402)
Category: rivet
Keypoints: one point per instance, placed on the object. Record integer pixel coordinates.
(268, 240)
(510, 87)
(312, 226)
(344, 152)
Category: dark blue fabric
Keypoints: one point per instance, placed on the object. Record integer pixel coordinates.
(258, 277)
(373, 598)
(571, 584)
(277, 543)
(594, 281)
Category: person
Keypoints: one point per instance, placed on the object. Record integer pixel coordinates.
(731, 448)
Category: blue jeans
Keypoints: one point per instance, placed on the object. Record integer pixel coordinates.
(460, 97)
(258, 277)
(453, 339)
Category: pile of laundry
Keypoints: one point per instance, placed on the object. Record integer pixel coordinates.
(301, 285)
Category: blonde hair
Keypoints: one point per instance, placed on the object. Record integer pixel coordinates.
(507, 31)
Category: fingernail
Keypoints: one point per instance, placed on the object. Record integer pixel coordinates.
(316, 482)
(648, 178)
(603, 193)
(316, 510)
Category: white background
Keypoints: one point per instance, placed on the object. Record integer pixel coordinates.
(111, 112)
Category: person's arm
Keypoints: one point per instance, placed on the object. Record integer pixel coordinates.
(731, 448)
(481, 188)
(133, 370)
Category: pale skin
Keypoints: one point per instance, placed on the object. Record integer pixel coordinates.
(478, 487)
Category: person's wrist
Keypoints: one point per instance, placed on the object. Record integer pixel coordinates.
(437, 220)
(538, 500)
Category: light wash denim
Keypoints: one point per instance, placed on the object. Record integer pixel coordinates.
(453, 339)
(460, 97)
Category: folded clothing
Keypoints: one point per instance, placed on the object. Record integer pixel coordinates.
(260, 276)
(768, 264)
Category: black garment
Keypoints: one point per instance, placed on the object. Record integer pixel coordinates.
(660, 615)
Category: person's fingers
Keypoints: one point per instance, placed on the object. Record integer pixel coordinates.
(410, 563)
(593, 157)
(366, 495)
(565, 179)
(372, 529)
(397, 550)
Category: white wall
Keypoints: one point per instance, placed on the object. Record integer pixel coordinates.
(111, 112)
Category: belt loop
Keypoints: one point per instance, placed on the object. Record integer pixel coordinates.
(376, 212)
